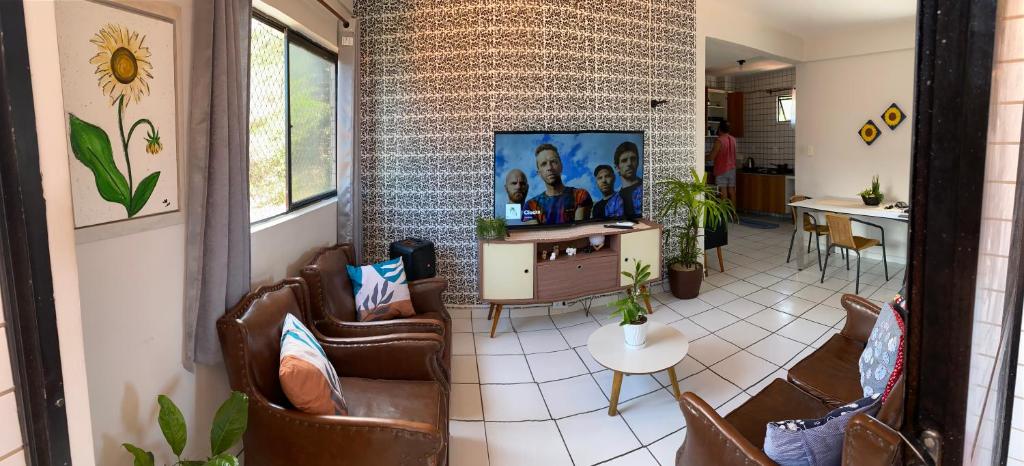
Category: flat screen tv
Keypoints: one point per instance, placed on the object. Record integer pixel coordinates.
(563, 178)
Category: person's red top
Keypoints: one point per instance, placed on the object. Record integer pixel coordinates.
(726, 158)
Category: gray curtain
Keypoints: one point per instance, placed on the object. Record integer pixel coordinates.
(217, 273)
(349, 205)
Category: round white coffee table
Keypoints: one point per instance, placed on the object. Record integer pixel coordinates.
(665, 348)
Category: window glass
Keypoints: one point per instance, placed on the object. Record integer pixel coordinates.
(786, 108)
(312, 98)
(268, 172)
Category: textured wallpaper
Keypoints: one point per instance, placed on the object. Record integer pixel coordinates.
(439, 77)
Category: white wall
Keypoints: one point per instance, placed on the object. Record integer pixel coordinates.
(41, 29)
(834, 98)
(281, 247)
(877, 38)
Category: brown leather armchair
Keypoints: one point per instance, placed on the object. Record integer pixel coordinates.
(815, 386)
(394, 386)
(334, 308)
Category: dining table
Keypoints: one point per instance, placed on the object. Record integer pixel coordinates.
(848, 206)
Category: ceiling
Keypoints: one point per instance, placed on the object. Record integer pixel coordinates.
(721, 56)
(809, 18)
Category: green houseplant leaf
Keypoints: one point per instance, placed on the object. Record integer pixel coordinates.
(91, 146)
(172, 424)
(142, 457)
(223, 459)
(142, 193)
(229, 423)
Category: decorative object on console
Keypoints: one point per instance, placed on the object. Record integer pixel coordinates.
(554, 254)
(630, 307)
(381, 290)
(491, 229)
(596, 241)
(873, 195)
(702, 207)
(228, 427)
(869, 132)
(893, 116)
(418, 257)
(307, 378)
(815, 442)
(118, 78)
(570, 252)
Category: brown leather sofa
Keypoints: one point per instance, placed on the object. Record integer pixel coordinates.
(822, 381)
(334, 307)
(394, 386)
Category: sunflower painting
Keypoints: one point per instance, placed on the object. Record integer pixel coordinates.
(117, 67)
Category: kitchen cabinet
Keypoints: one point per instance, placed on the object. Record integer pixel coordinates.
(735, 112)
(761, 193)
(720, 105)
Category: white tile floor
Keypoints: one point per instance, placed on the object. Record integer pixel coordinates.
(533, 395)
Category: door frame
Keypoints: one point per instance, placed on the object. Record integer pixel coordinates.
(955, 42)
(25, 276)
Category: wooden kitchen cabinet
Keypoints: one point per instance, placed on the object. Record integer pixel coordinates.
(735, 114)
(761, 193)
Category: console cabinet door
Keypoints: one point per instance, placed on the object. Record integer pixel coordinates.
(643, 246)
(507, 271)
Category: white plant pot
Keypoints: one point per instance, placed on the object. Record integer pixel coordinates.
(635, 335)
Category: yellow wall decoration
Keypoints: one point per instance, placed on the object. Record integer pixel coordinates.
(869, 132)
(893, 116)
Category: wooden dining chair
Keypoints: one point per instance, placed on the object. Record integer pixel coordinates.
(810, 226)
(841, 236)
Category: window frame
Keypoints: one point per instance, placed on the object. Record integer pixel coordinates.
(292, 36)
(780, 108)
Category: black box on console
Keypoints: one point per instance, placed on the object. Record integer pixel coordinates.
(417, 255)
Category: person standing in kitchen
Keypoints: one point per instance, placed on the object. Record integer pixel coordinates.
(723, 155)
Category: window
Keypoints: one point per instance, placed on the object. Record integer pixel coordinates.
(785, 108)
(292, 115)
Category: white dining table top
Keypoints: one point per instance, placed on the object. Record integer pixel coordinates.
(851, 206)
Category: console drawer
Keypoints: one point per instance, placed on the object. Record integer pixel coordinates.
(569, 278)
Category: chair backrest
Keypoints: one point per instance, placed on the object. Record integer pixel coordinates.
(330, 290)
(250, 337)
(840, 229)
(797, 198)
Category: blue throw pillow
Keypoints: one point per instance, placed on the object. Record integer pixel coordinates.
(814, 442)
(882, 354)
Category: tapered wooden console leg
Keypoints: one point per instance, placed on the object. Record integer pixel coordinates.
(497, 317)
(613, 404)
(647, 299)
(490, 311)
(675, 383)
(721, 265)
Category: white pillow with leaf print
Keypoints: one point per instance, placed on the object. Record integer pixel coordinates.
(381, 291)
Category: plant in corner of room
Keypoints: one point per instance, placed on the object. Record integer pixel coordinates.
(490, 228)
(228, 426)
(702, 207)
(873, 195)
(631, 308)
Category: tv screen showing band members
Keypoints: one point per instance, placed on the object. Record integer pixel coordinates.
(565, 178)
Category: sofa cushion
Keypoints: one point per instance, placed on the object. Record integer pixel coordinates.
(411, 400)
(381, 290)
(831, 373)
(881, 362)
(307, 378)
(779, 400)
(814, 442)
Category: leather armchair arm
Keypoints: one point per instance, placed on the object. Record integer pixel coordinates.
(710, 439)
(869, 442)
(861, 315)
(280, 436)
(426, 295)
(338, 329)
(404, 356)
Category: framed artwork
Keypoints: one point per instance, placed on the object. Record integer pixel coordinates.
(893, 116)
(868, 132)
(119, 80)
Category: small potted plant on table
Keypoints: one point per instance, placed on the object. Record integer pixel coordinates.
(631, 308)
(702, 207)
(491, 228)
(873, 195)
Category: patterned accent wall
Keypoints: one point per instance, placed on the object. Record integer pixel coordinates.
(439, 77)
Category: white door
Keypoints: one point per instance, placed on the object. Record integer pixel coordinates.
(507, 271)
(642, 246)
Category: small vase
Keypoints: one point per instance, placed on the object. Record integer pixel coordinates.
(635, 335)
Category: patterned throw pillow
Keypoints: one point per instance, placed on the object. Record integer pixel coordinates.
(381, 290)
(815, 442)
(881, 362)
(307, 377)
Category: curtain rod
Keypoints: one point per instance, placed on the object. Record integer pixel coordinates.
(336, 13)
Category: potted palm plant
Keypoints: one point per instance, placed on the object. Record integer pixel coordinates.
(701, 207)
(630, 307)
